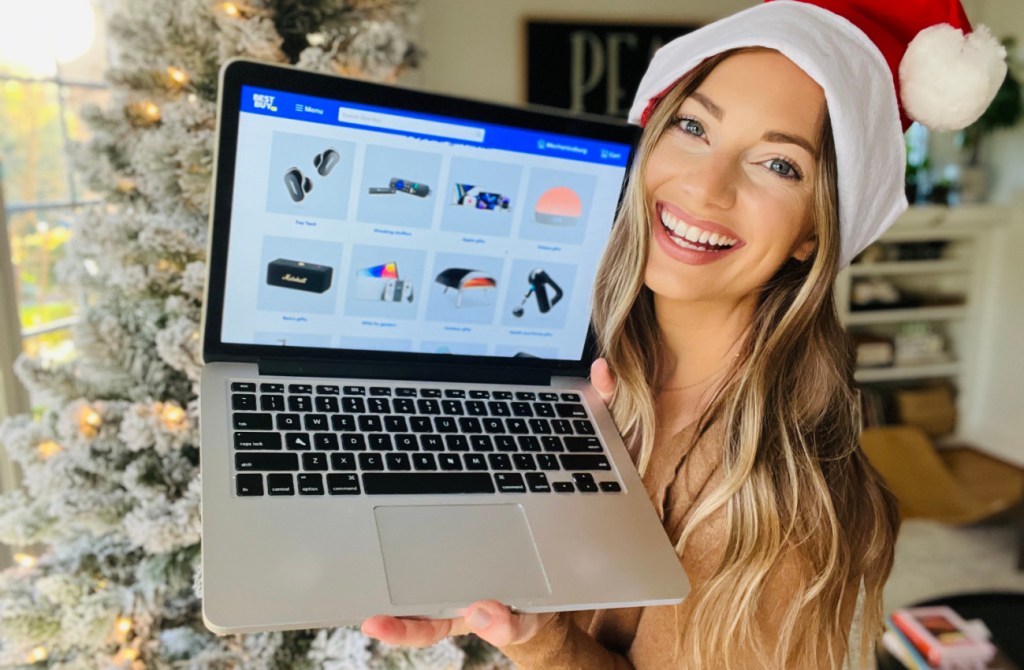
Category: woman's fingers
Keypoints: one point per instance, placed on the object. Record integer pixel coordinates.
(408, 632)
(601, 379)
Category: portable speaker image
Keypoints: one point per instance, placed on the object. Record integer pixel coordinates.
(299, 275)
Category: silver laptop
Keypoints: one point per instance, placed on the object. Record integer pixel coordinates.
(395, 412)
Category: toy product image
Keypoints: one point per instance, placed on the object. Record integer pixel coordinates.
(381, 283)
(297, 183)
(462, 279)
(325, 161)
(539, 283)
(468, 195)
(397, 185)
(299, 275)
(558, 206)
(943, 638)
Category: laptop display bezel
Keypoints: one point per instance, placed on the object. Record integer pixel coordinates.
(238, 73)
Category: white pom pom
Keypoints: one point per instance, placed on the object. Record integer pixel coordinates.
(947, 80)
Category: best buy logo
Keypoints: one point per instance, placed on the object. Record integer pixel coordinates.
(260, 101)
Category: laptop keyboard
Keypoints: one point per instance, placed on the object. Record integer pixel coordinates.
(313, 440)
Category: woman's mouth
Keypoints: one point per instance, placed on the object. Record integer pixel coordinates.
(695, 238)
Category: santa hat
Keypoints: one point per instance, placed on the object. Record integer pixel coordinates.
(881, 63)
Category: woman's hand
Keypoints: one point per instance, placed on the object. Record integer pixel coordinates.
(489, 619)
(601, 379)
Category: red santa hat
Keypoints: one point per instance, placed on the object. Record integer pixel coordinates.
(881, 63)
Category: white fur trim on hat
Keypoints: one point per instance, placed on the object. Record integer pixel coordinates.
(947, 79)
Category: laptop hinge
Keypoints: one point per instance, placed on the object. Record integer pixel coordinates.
(404, 371)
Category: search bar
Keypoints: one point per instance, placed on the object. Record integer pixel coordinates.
(395, 122)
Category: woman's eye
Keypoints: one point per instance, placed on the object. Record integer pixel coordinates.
(784, 169)
(691, 127)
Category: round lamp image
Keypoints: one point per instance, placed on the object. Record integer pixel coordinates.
(558, 206)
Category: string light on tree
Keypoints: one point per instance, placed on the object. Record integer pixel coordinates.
(89, 421)
(37, 655)
(231, 9)
(25, 560)
(48, 449)
(177, 75)
(150, 111)
(126, 655)
(172, 415)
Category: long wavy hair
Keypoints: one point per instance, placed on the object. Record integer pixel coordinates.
(796, 481)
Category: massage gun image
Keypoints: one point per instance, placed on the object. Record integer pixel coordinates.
(539, 283)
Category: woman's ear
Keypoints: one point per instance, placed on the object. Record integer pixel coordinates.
(805, 249)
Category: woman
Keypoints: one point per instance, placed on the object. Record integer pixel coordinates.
(733, 377)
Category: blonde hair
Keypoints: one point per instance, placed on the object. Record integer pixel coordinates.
(796, 482)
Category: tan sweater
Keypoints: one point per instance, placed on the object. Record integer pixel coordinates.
(645, 637)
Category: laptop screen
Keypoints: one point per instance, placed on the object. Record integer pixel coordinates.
(358, 226)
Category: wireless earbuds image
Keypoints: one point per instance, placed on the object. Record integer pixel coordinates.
(297, 183)
(325, 161)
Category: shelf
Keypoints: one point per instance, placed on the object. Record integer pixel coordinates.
(910, 314)
(909, 268)
(867, 375)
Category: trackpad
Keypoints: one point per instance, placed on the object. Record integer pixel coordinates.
(437, 554)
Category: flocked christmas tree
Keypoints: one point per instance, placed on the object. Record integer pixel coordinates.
(111, 480)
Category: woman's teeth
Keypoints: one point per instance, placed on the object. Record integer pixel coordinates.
(689, 237)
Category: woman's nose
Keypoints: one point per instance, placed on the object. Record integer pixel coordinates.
(714, 181)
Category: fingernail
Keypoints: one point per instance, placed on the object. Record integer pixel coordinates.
(479, 619)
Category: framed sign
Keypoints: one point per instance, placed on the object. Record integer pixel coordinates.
(588, 66)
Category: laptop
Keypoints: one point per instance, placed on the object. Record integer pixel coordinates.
(396, 417)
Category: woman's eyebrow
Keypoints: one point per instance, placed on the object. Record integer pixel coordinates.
(769, 135)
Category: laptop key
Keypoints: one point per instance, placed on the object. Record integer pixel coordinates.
(371, 461)
(585, 482)
(423, 483)
(454, 393)
(561, 427)
(449, 461)
(315, 421)
(537, 482)
(379, 405)
(430, 393)
(552, 443)
(502, 395)
(380, 442)
(431, 442)
(543, 409)
(548, 462)
(370, 423)
(571, 397)
(475, 462)
(311, 484)
(524, 462)
(428, 406)
(539, 426)
(564, 487)
(343, 423)
(280, 485)
(578, 444)
(353, 442)
(288, 422)
(243, 401)
(314, 461)
(478, 395)
(271, 388)
(499, 461)
(476, 408)
(251, 421)
(355, 390)
(300, 388)
(266, 462)
(249, 484)
(397, 461)
(326, 442)
(424, 461)
(327, 404)
(517, 426)
(445, 424)
(243, 387)
(343, 461)
(421, 424)
(452, 407)
(469, 424)
(528, 443)
(297, 441)
(481, 443)
(548, 397)
(610, 487)
(521, 409)
(571, 411)
(339, 484)
(505, 443)
(380, 391)
(404, 406)
(456, 442)
(300, 403)
(395, 424)
(257, 440)
(526, 395)
(510, 482)
(499, 408)
(406, 442)
(405, 392)
(353, 405)
(492, 425)
(328, 389)
(583, 427)
(585, 462)
(272, 403)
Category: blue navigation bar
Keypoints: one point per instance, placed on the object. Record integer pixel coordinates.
(430, 127)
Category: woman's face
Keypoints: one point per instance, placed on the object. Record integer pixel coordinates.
(729, 183)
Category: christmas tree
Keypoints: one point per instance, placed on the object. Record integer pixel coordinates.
(110, 498)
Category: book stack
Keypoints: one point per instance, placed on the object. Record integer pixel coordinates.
(937, 638)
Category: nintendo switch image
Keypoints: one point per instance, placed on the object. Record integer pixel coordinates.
(381, 283)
